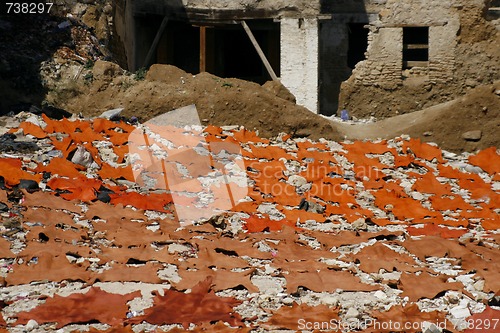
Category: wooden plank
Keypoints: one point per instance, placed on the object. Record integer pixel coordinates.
(410, 64)
(203, 49)
(154, 45)
(259, 51)
(415, 46)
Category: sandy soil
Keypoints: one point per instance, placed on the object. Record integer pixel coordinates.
(444, 123)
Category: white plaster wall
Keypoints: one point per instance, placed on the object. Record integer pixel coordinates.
(299, 60)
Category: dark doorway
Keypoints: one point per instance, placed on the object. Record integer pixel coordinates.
(180, 47)
(358, 43)
(228, 51)
(415, 47)
(235, 56)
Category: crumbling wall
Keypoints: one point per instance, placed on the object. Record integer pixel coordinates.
(383, 65)
(336, 50)
(459, 35)
(287, 8)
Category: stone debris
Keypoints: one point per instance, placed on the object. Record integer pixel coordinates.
(357, 231)
(113, 114)
(472, 135)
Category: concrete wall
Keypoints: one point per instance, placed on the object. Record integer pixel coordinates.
(299, 60)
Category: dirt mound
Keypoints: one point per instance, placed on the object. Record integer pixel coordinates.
(447, 124)
(219, 101)
(477, 110)
(235, 102)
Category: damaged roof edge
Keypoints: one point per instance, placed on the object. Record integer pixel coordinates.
(176, 10)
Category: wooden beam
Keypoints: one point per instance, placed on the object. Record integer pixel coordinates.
(410, 64)
(153, 47)
(415, 46)
(259, 51)
(203, 49)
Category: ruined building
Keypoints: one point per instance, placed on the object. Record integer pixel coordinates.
(372, 57)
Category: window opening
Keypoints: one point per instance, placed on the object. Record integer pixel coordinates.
(415, 47)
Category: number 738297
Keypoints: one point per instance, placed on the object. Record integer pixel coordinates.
(28, 7)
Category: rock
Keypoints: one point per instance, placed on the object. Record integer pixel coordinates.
(472, 135)
(176, 247)
(9, 143)
(466, 167)
(315, 207)
(111, 114)
(417, 196)
(452, 298)
(287, 301)
(82, 157)
(268, 285)
(460, 312)
(271, 210)
(449, 155)
(296, 180)
(351, 313)
(479, 285)
(428, 133)
(330, 300)
(29, 185)
(170, 273)
(31, 325)
(55, 113)
(311, 206)
(359, 224)
(104, 194)
(430, 328)
(380, 295)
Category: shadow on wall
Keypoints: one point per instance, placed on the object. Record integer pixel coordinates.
(25, 42)
(151, 30)
(343, 40)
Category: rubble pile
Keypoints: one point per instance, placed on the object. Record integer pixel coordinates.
(50, 52)
(293, 233)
